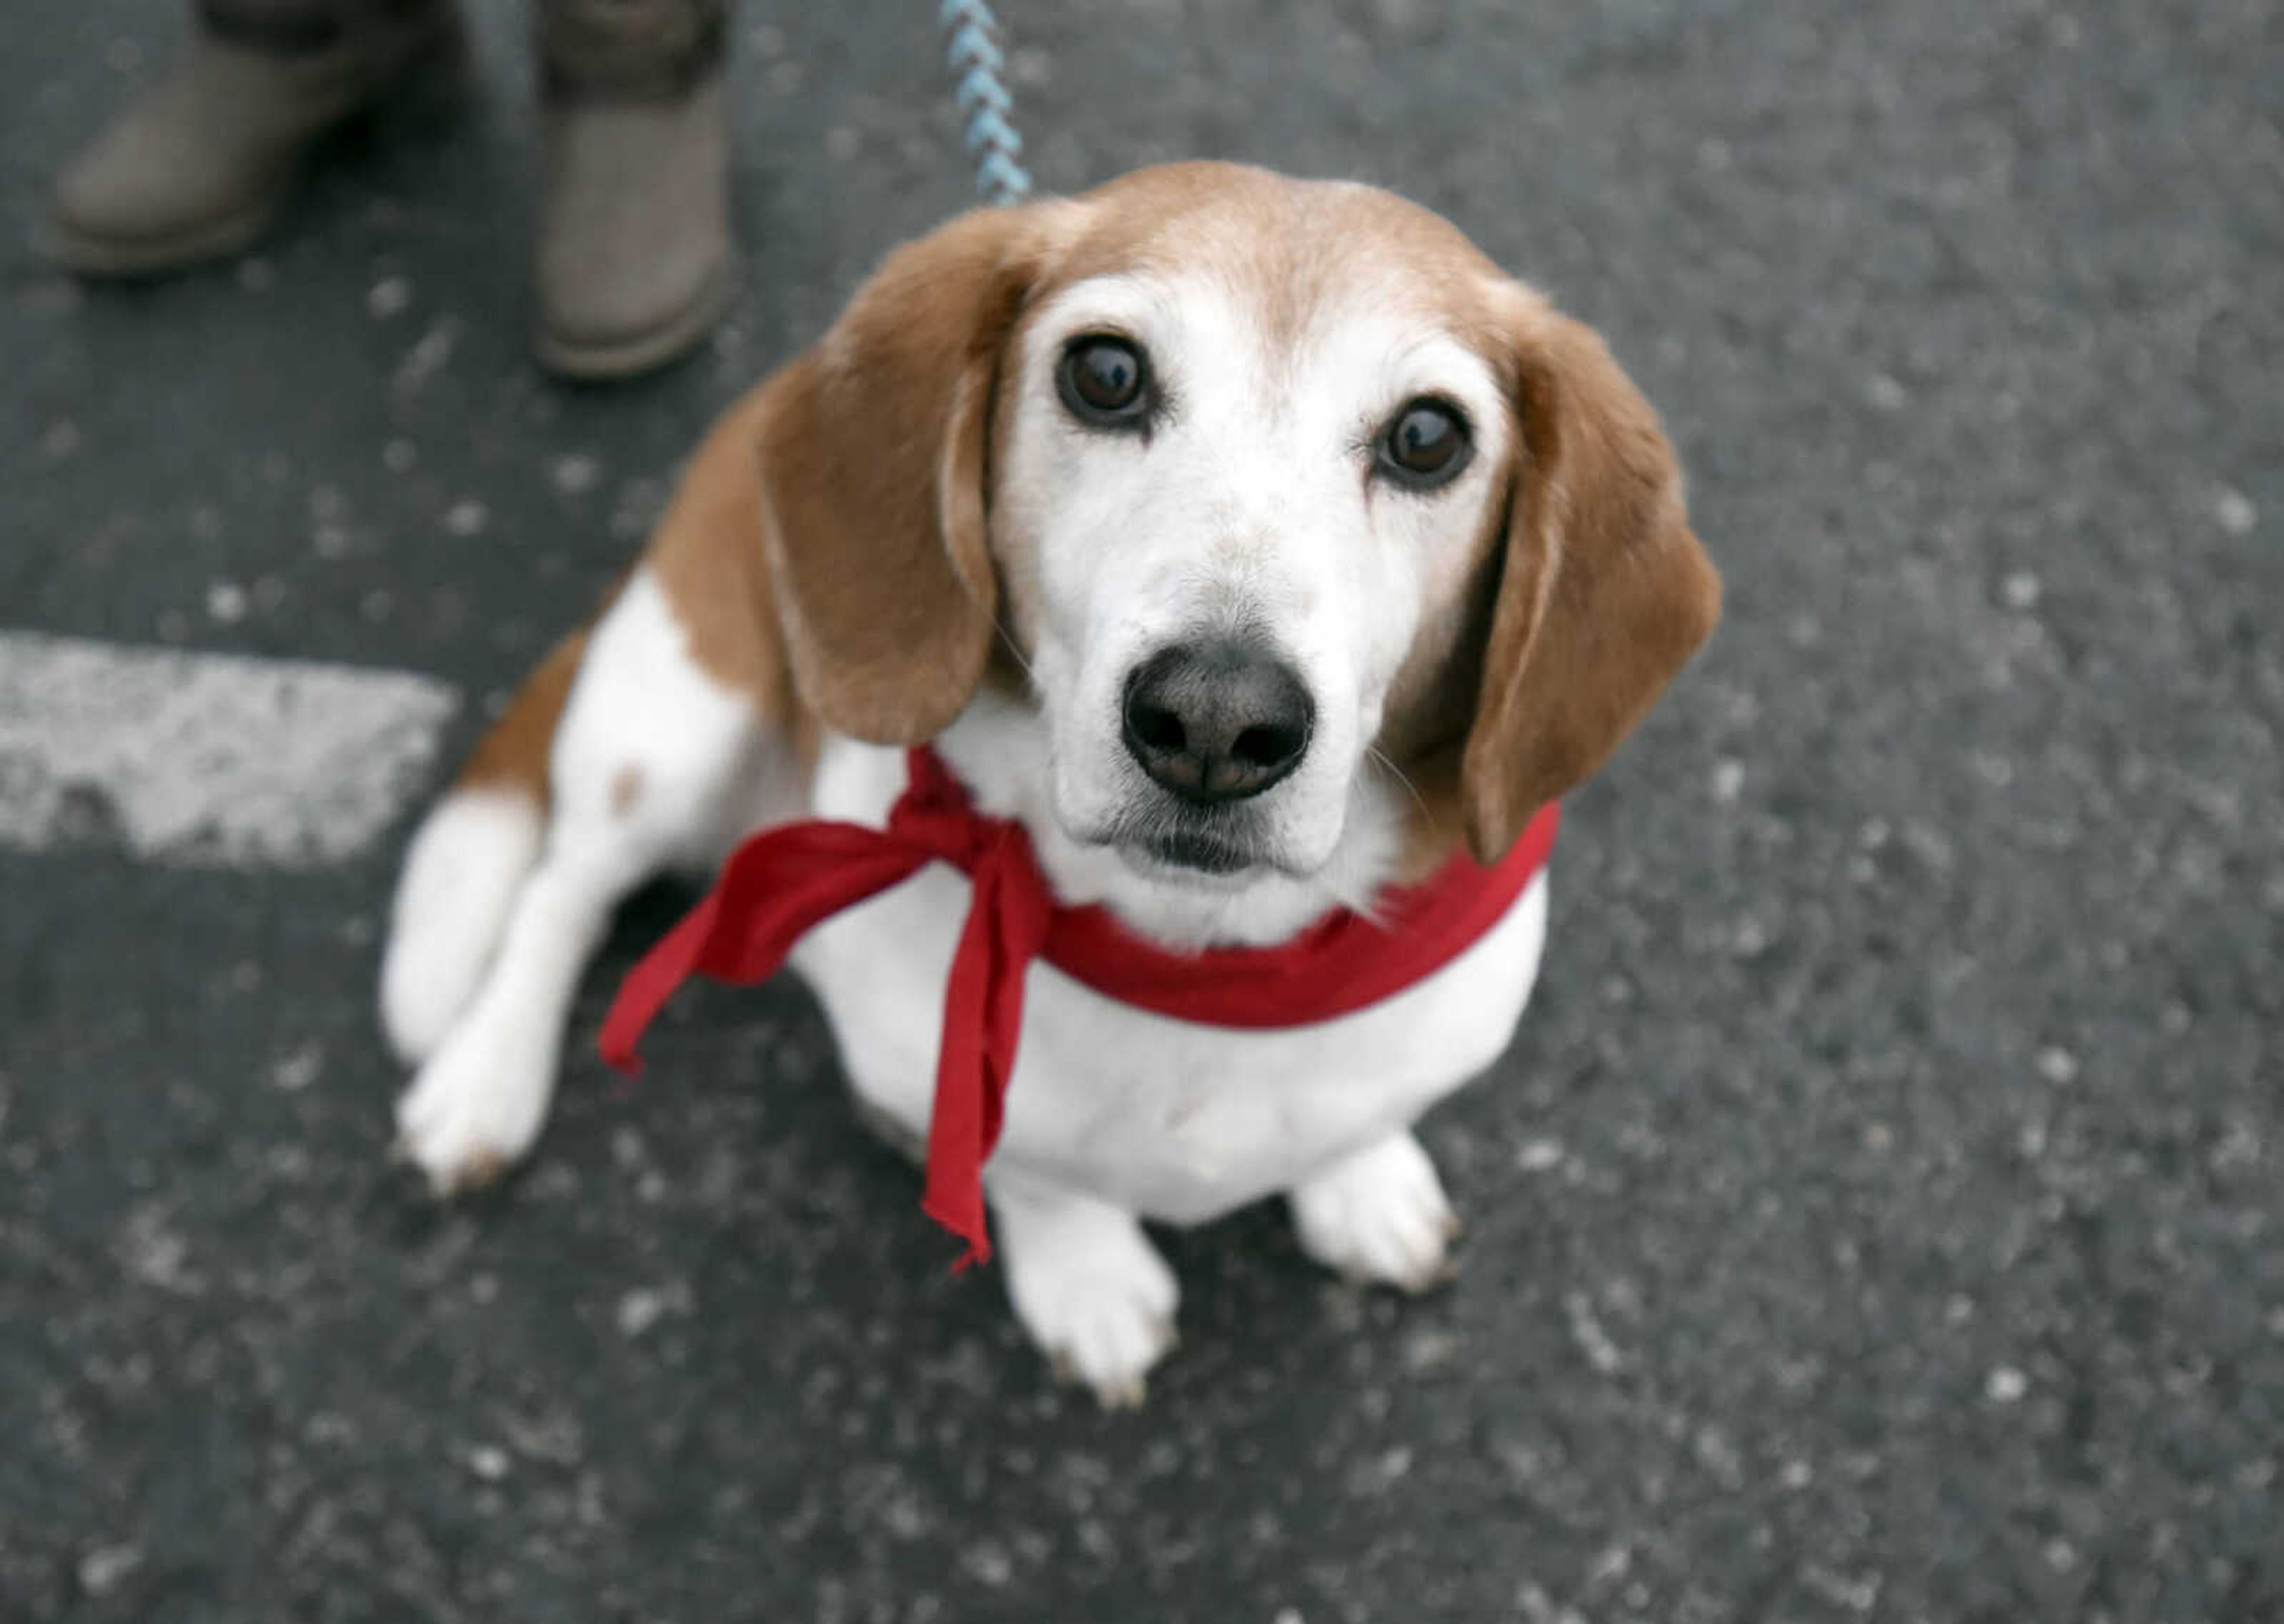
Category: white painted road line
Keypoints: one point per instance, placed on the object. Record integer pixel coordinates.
(207, 760)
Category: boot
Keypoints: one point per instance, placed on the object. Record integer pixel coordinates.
(634, 238)
(199, 169)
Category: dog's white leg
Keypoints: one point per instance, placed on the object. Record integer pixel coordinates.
(461, 877)
(1086, 1284)
(1378, 1214)
(650, 754)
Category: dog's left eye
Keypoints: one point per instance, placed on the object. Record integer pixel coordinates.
(1106, 381)
(1425, 444)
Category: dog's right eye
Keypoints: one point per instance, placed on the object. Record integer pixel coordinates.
(1106, 381)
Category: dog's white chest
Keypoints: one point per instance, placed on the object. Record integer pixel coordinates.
(1178, 1122)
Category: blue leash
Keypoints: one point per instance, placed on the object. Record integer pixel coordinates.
(974, 58)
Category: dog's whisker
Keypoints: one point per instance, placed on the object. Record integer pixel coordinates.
(1015, 651)
(1378, 757)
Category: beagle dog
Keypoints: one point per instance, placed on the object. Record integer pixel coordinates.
(1256, 545)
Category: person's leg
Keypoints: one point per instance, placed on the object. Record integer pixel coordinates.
(199, 167)
(634, 244)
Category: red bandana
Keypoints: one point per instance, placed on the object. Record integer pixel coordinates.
(784, 880)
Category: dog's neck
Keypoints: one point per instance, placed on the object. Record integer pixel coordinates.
(999, 747)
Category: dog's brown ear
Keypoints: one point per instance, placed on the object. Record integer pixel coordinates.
(874, 453)
(1604, 593)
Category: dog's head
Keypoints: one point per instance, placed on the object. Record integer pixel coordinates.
(1270, 484)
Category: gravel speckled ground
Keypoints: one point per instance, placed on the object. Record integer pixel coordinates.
(1878, 1216)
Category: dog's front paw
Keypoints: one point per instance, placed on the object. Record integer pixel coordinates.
(1091, 1291)
(476, 1106)
(1379, 1215)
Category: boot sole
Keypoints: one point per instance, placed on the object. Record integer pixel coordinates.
(123, 258)
(593, 362)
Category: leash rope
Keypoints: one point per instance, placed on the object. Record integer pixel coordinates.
(972, 54)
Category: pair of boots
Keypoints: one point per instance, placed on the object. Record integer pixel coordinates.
(634, 241)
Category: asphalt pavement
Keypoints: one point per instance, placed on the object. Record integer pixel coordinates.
(1880, 1214)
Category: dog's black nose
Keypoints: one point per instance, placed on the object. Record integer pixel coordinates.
(1216, 722)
